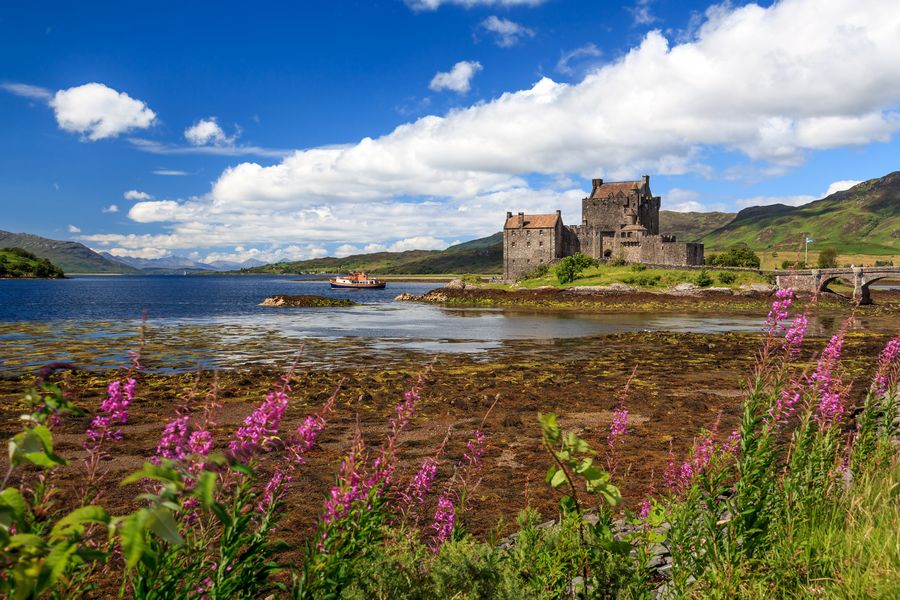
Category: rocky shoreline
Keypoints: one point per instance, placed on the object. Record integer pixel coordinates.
(306, 301)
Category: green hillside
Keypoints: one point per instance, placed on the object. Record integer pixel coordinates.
(484, 255)
(18, 263)
(71, 257)
(691, 226)
(864, 219)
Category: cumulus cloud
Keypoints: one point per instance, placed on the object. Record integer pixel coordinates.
(825, 76)
(458, 79)
(682, 200)
(73, 229)
(27, 91)
(207, 131)
(587, 51)
(149, 253)
(507, 33)
(112, 208)
(269, 254)
(136, 195)
(422, 5)
(840, 186)
(419, 242)
(97, 112)
(641, 13)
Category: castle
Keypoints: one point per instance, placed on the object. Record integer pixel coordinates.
(619, 220)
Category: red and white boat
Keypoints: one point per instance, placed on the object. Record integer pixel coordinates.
(357, 281)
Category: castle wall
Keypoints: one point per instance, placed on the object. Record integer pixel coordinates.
(603, 214)
(525, 249)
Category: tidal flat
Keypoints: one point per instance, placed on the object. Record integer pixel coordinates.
(683, 383)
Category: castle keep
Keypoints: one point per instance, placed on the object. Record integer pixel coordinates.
(619, 220)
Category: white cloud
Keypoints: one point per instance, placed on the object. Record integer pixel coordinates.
(26, 90)
(150, 252)
(419, 242)
(586, 51)
(421, 5)
(346, 250)
(170, 172)
(207, 131)
(840, 186)
(269, 255)
(73, 229)
(682, 200)
(155, 147)
(112, 208)
(458, 79)
(98, 112)
(507, 33)
(136, 195)
(642, 14)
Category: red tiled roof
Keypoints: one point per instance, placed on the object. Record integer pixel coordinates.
(611, 189)
(533, 222)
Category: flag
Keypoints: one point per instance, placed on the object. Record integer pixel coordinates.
(809, 240)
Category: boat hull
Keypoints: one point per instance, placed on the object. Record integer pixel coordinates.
(358, 286)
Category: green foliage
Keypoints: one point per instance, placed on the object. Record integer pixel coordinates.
(726, 278)
(793, 264)
(638, 267)
(536, 273)
(884, 263)
(827, 259)
(16, 262)
(571, 267)
(736, 256)
(643, 280)
(703, 279)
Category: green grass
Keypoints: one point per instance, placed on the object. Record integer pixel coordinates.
(644, 279)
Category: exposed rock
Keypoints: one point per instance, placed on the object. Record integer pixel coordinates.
(456, 284)
(405, 297)
(615, 288)
(718, 290)
(684, 289)
(763, 288)
(304, 301)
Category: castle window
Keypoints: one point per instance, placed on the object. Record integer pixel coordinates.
(541, 243)
(528, 244)
(512, 243)
(541, 232)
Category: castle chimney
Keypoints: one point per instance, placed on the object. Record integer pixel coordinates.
(521, 219)
(645, 180)
(508, 215)
(596, 183)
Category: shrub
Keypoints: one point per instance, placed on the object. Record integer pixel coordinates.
(571, 267)
(793, 264)
(638, 267)
(736, 256)
(726, 278)
(536, 273)
(827, 259)
(884, 263)
(643, 280)
(703, 279)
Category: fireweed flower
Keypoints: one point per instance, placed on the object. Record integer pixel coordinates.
(350, 485)
(444, 518)
(175, 440)
(418, 488)
(827, 383)
(784, 298)
(645, 509)
(888, 364)
(260, 428)
(114, 411)
(275, 490)
(784, 408)
(619, 426)
(793, 339)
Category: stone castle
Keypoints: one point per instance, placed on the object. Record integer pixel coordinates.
(619, 220)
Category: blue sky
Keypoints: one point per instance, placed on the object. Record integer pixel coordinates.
(290, 130)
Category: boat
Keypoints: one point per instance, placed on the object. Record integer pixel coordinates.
(357, 281)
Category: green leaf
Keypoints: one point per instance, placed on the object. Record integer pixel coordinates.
(133, 535)
(13, 506)
(55, 565)
(206, 488)
(163, 473)
(25, 540)
(558, 478)
(73, 523)
(163, 524)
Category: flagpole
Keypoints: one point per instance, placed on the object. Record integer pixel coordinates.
(806, 252)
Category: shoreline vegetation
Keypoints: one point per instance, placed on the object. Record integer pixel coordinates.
(16, 263)
(667, 478)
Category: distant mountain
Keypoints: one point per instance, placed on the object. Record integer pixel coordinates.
(166, 263)
(226, 265)
(691, 226)
(484, 255)
(862, 220)
(71, 257)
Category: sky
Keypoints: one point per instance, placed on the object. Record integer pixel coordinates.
(294, 130)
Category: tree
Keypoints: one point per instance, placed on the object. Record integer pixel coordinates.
(736, 256)
(827, 259)
(571, 267)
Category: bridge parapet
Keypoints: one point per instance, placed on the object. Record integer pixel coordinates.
(814, 281)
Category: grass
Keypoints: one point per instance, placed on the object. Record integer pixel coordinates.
(16, 263)
(645, 279)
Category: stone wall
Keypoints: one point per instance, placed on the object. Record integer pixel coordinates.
(525, 249)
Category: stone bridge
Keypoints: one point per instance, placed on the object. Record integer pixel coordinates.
(816, 280)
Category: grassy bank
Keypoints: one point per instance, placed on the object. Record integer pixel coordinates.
(16, 263)
(641, 277)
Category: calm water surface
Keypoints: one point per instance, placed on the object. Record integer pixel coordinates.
(216, 321)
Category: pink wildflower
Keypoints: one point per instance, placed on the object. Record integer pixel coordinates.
(274, 490)
(444, 518)
(828, 384)
(793, 339)
(784, 408)
(175, 439)
(888, 366)
(420, 485)
(619, 426)
(350, 485)
(779, 311)
(260, 427)
(645, 509)
(114, 412)
(200, 442)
